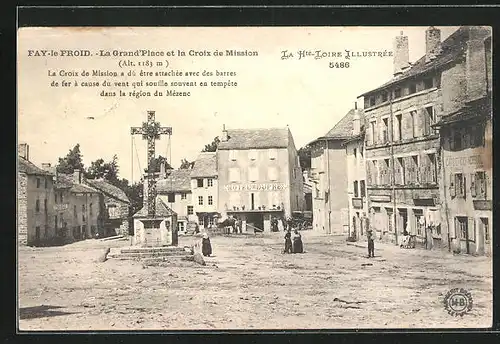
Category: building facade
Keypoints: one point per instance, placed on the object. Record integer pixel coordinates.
(76, 207)
(35, 201)
(466, 141)
(329, 175)
(402, 148)
(175, 192)
(356, 177)
(259, 176)
(204, 188)
(114, 207)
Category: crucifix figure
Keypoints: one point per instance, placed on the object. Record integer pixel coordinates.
(151, 131)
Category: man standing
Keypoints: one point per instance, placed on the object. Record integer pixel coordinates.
(371, 244)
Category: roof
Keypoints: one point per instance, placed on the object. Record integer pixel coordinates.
(82, 188)
(343, 129)
(452, 49)
(178, 181)
(162, 210)
(256, 138)
(205, 165)
(28, 167)
(478, 111)
(108, 189)
(65, 181)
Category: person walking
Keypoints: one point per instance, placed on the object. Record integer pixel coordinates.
(288, 242)
(297, 246)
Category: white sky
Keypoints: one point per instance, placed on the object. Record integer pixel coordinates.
(305, 94)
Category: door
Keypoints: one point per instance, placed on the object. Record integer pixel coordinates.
(463, 233)
(37, 233)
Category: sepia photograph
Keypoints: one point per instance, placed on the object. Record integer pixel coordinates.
(254, 178)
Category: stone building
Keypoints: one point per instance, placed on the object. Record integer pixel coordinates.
(329, 173)
(204, 189)
(308, 187)
(35, 201)
(114, 208)
(356, 176)
(175, 192)
(466, 141)
(259, 176)
(402, 148)
(76, 207)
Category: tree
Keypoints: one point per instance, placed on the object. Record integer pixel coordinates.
(157, 164)
(305, 157)
(105, 170)
(185, 164)
(212, 147)
(72, 161)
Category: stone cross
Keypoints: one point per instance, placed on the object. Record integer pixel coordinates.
(151, 131)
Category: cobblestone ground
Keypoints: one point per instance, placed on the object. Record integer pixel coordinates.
(250, 284)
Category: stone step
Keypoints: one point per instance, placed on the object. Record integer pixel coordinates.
(152, 255)
(151, 249)
(152, 259)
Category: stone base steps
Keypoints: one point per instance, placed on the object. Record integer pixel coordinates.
(150, 253)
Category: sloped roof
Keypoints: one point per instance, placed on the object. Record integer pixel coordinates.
(82, 188)
(343, 129)
(178, 181)
(108, 189)
(205, 165)
(256, 138)
(28, 167)
(452, 48)
(65, 181)
(162, 210)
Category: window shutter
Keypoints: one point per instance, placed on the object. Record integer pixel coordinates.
(487, 183)
(368, 173)
(473, 182)
(471, 229)
(464, 184)
(452, 185)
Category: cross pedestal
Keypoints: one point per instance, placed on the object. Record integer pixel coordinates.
(156, 232)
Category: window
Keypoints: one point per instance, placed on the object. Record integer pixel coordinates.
(183, 196)
(272, 173)
(75, 212)
(90, 209)
(461, 228)
(373, 132)
(46, 183)
(413, 118)
(37, 206)
(399, 127)
(355, 152)
(484, 223)
(45, 206)
(190, 210)
(171, 198)
(356, 194)
(234, 174)
(61, 198)
(431, 170)
(385, 130)
(199, 182)
(387, 172)
(413, 88)
(55, 221)
(459, 185)
(411, 167)
(397, 93)
(384, 96)
(372, 101)
(210, 182)
(201, 221)
(376, 177)
(428, 83)
(273, 154)
(478, 185)
(400, 172)
(456, 140)
(210, 200)
(211, 221)
(362, 188)
(55, 197)
(180, 226)
(253, 174)
(233, 154)
(200, 200)
(252, 154)
(389, 222)
(428, 120)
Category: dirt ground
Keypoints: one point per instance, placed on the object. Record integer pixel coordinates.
(250, 284)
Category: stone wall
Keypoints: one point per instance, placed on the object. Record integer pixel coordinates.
(22, 209)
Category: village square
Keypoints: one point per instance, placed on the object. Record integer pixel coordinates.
(385, 221)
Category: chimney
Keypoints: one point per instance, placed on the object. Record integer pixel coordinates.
(49, 168)
(356, 121)
(475, 67)
(432, 43)
(401, 54)
(77, 176)
(23, 150)
(224, 134)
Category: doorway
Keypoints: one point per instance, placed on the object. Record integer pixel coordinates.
(37, 233)
(462, 231)
(403, 221)
(256, 220)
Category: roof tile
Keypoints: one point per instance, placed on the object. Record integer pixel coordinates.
(256, 138)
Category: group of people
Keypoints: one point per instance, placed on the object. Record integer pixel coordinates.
(293, 242)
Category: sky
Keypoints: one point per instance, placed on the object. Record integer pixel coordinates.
(305, 94)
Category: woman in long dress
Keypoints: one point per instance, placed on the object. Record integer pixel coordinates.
(206, 247)
(297, 242)
(288, 242)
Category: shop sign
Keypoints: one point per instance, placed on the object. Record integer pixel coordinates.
(256, 187)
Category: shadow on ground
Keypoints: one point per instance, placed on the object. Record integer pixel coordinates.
(40, 312)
